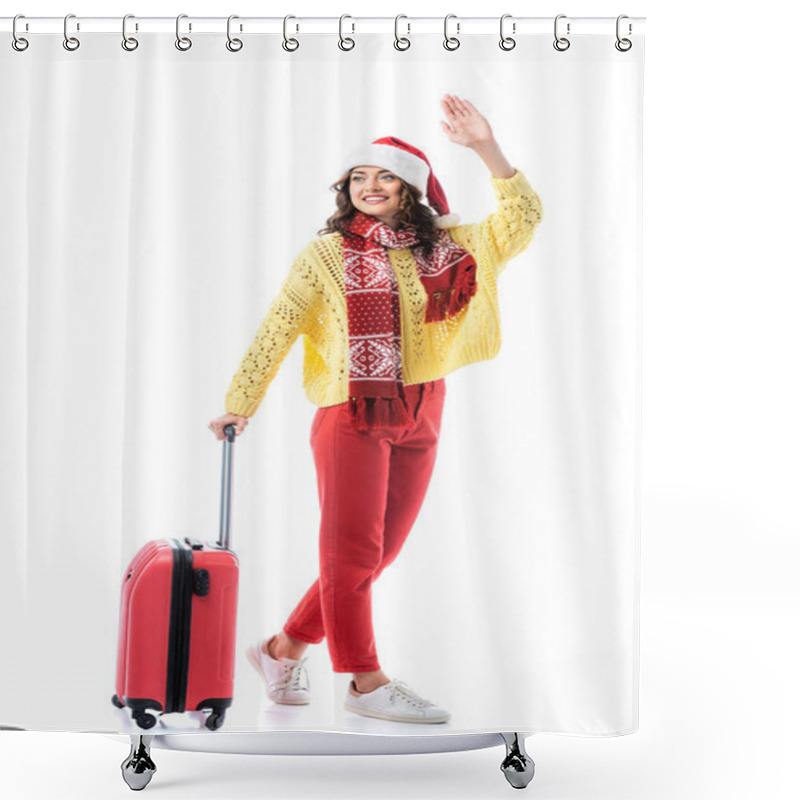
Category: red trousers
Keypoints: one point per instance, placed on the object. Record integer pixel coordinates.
(371, 487)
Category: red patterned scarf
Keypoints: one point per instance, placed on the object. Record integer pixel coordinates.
(373, 311)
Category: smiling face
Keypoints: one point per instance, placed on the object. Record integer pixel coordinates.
(376, 191)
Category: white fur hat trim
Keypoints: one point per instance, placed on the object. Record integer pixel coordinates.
(405, 165)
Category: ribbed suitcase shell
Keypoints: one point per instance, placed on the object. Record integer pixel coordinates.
(176, 647)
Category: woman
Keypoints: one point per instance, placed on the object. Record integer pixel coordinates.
(390, 298)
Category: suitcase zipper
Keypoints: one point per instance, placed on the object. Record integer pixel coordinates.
(180, 626)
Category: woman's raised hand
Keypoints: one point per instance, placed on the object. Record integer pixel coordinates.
(218, 425)
(465, 124)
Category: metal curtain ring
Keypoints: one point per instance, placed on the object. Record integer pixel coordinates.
(290, 45)
(451, 42)
(128, 42)
(623, 45)
(70, 42)
(561, 43)
(401, 43)
(234, 45)
(181, 42)
(506, 42)
(18, 42)
(346, 43)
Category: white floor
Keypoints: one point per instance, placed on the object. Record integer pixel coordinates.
(719, 703)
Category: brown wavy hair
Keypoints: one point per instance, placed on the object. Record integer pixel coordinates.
(412, 212)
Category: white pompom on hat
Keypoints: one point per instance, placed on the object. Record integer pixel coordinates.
(410, 164)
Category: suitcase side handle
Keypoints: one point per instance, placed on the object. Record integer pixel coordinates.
(225, 502)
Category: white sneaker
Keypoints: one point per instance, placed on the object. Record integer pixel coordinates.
(286, 679)
(396, 702)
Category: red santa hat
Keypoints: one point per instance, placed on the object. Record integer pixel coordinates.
(410, 164)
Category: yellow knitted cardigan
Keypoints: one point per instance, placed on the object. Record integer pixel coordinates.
(312, 302)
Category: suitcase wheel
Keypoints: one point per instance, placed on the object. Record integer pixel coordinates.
(143, 719)
(215, 720)
(117, 702)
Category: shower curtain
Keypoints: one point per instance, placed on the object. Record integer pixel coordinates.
(153, 203)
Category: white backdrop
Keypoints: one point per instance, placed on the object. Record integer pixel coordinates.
(152, 203)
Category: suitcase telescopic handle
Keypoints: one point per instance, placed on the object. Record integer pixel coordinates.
(225, 504)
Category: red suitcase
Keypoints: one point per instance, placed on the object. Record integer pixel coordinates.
(177, 623)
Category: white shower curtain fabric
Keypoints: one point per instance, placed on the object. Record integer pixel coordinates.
(152, 205)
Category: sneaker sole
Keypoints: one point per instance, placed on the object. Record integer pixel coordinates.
(255, 660)
(366, 712)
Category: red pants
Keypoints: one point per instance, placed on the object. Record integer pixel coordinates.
(371, 488)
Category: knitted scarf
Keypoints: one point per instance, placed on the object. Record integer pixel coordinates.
(373, 311)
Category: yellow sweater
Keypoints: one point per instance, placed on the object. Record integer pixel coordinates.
(312, 302)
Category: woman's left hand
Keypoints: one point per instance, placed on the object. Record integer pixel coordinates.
(465, 124)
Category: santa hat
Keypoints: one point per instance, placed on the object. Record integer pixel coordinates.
(410, 164)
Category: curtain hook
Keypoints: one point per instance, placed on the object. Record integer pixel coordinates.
(623, 45)
(561, 43)
(346, 43)
(401, 43)
(506, 42)
(70, 42)
(183, 43)
(290, 45)
(17, 41)
(128, 42)
(234, 45)
(451, 42)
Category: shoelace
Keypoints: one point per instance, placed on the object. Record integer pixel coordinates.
(401, 690)
(294, 676)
